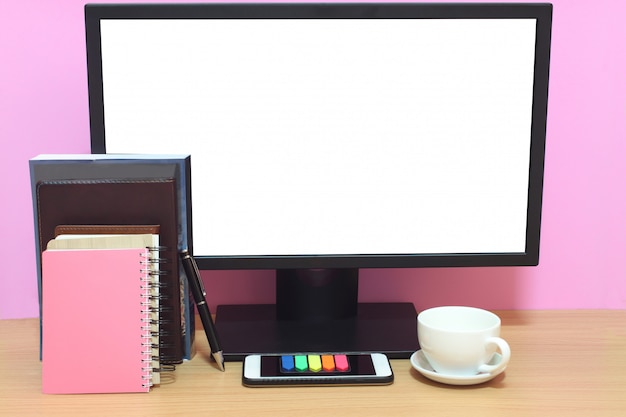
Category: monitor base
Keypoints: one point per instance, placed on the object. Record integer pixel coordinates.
(389, 328)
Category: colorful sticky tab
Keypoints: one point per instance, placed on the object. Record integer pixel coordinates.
(328, 363)
(341, 363)
(301, 363)
(315, 363)
(286, 363)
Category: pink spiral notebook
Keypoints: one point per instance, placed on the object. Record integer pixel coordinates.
(97, 321)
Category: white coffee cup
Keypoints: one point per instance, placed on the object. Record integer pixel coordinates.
(461, 341)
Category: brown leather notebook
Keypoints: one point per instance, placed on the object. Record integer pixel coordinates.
(122, 203)
(106, 229)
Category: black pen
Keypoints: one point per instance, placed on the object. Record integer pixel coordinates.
(199, 295)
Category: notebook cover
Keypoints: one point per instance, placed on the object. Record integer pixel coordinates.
(92, 308)
(122, 202)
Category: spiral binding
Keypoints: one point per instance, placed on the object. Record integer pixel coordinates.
(151, 332)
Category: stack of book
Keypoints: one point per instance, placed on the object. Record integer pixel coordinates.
(114, 303)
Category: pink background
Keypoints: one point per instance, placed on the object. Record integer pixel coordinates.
(43, 109)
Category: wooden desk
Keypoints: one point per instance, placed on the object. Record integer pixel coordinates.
(569, 363)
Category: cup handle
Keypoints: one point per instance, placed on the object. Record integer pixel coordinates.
(505, 351)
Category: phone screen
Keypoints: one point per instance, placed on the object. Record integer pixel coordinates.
(330, 365)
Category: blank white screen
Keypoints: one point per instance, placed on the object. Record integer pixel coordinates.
(333, 136)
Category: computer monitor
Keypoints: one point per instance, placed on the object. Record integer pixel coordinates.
(325, 138)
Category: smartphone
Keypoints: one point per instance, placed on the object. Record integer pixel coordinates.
(316, 369)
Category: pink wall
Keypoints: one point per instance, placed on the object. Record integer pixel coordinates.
(43, 109)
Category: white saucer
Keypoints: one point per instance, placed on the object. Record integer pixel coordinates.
(421, 364)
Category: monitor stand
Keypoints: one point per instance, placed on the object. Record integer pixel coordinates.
(316, 310)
